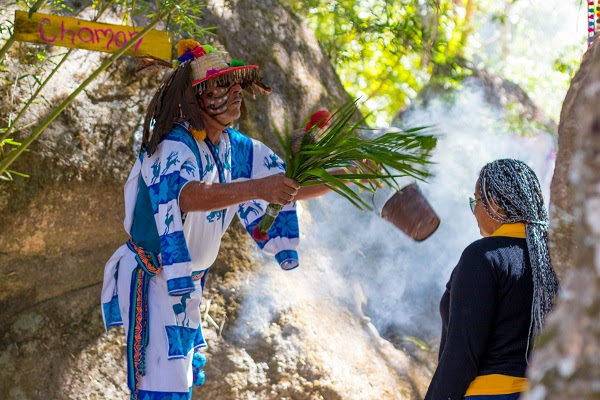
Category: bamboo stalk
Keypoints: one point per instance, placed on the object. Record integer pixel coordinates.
(7, 46)
(12, 156)
(33, 97)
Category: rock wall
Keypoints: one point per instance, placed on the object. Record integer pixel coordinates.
(567, 361)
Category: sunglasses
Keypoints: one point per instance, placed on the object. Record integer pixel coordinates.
(473, 203)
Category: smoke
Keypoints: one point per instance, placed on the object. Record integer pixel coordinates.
(350, 257)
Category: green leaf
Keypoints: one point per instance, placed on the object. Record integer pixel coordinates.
(10, 171)
(333, 182)
(11, 142)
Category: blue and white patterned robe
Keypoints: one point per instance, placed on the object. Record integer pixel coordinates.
(189, 248)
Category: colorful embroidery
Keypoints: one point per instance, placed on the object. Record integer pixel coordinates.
(148, 395)
(155, 171)
(209, 167)
(168, 219)
(189, 167)
(243, 213)
(180, 308)
(180, 285)
(242, 153)
(181, 340)
(287, 259)
(166, 189)
(214, 216)
(243, 158)
(174, 248)
(286, 225)
(226, 158)
(273, 162)
(198, 275)
(149, 265)
(112, 314)
(172, 159)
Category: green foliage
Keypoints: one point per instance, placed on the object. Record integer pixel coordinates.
(567, 62)
(177, 16)
(368, 162)
(6, 145)
(385, 51)
(6, 28)
(184, 20)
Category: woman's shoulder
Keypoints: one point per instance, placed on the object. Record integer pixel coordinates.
(491, 243)
(477, 250)
(494, 248)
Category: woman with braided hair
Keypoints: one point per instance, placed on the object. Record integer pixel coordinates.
(500, 293)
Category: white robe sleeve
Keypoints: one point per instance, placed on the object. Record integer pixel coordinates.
(284, 234)
(166, 173)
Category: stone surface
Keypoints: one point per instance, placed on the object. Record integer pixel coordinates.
(566, 364)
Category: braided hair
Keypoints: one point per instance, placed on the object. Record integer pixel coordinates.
(514, 188)
(175, 99)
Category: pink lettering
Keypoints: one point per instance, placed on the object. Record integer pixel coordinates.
(139, 42)
(63, 31)
(44, 38)
(117, 39)
(90, 33)
(104, 32)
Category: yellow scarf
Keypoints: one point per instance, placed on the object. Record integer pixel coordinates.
(516, 230)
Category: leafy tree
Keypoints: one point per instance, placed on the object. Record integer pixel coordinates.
(386, 51)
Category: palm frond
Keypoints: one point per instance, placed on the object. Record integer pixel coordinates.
(380, 158)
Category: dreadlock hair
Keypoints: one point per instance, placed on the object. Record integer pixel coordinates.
(175, 99)
(514, 187)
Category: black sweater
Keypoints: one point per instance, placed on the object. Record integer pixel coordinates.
(486, 313)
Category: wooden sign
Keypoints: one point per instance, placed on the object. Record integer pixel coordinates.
(80, 34)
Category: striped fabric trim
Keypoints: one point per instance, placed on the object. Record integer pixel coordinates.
(137, 337)
(287, 259)
(178, 286)
(152, 395)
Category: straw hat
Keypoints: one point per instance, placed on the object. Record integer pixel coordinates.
(210, 69)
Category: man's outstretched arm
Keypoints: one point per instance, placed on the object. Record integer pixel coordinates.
(206, 196)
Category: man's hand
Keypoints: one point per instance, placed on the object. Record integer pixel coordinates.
(277, 189)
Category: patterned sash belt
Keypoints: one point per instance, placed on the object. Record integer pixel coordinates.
(149, 265)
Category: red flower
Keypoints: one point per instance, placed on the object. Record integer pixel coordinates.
(320, 118)
(258, 235)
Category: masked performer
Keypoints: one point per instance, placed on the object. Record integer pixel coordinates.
(193, 174)
(500, 292)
